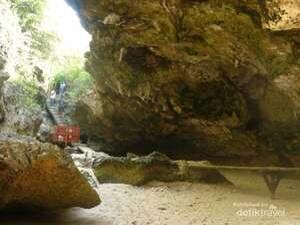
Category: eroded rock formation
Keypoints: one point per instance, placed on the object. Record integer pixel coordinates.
(40, 176)
(190, 76)
(153, 167)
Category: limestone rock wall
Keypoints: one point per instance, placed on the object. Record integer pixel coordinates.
(15, 115)
(8, 32)
(198, 78)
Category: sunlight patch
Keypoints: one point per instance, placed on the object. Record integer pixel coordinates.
(61, 19)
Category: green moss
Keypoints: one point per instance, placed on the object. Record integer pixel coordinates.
(239, 26)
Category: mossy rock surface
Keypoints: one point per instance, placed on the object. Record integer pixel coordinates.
(187, 76)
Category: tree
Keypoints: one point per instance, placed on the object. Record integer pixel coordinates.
(30, 13)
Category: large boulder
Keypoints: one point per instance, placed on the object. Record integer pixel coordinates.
(40, 176)
(184, 77)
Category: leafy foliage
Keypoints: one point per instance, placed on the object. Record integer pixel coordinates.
(43, 43)
(73, 73)
(30, 13)
(28, 94)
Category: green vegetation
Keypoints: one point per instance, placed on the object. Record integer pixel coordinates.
(28, 94)
(73, 73)
(42, 56)
(34, 51)
(30, 13)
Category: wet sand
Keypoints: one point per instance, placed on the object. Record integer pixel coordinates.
(171, 204)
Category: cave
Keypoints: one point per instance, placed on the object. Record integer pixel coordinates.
(149, 112)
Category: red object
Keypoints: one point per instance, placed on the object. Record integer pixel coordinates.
(66, 134)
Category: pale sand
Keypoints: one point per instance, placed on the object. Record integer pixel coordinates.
(170, 204)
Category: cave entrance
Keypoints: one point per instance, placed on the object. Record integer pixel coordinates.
(68, 80)
(70, 45)
(61, 18)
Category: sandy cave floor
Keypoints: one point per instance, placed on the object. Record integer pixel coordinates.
(171, 204)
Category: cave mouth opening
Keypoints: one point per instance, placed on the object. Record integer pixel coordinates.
(61, 19)
(69, 47)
